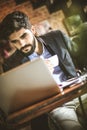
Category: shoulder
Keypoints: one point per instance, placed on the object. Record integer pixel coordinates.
(53, 32)
(52, 35)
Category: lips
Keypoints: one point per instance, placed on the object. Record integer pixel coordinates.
(26, 47)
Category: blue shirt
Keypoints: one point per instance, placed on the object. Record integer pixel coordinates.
(57, 74)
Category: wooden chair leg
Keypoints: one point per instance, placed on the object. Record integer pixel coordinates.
(82, 107)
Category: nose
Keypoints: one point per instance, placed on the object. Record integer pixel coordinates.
(22, 42)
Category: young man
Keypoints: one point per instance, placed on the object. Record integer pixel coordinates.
(17, 29)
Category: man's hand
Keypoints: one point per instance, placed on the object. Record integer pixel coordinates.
(1, 62)
(49, 65)
(52, 62)
(1, 59)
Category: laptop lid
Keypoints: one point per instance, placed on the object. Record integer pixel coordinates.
(25, 85)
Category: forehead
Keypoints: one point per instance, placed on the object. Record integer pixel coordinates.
(17, 34)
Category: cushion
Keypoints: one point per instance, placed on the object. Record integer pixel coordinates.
(65, 118)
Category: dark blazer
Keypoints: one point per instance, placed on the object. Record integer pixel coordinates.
(55, 42)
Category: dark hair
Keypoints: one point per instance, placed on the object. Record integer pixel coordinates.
(14, 22)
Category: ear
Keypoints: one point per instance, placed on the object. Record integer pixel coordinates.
(33, 30)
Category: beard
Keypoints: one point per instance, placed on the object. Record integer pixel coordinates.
(30, 51)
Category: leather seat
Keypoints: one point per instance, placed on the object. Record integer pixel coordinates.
(65, 118)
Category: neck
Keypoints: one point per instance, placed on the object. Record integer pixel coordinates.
(39, 47)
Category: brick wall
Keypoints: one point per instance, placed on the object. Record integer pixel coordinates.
(36, 15)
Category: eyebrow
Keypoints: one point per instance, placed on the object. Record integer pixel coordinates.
(23, 35)
(14, 41)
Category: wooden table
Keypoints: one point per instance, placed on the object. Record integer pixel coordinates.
(20, 118)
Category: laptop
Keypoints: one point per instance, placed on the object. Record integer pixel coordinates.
(25, 85)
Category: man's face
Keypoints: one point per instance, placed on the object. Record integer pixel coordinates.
(23, 40)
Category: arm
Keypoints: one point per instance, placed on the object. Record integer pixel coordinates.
(1, 62)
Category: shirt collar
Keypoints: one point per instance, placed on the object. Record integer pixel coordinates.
(34, 54)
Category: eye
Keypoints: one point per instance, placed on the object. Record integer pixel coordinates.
(14, 41)
(24, 35)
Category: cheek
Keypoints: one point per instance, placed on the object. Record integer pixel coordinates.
(29, 39)
(17, 46)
